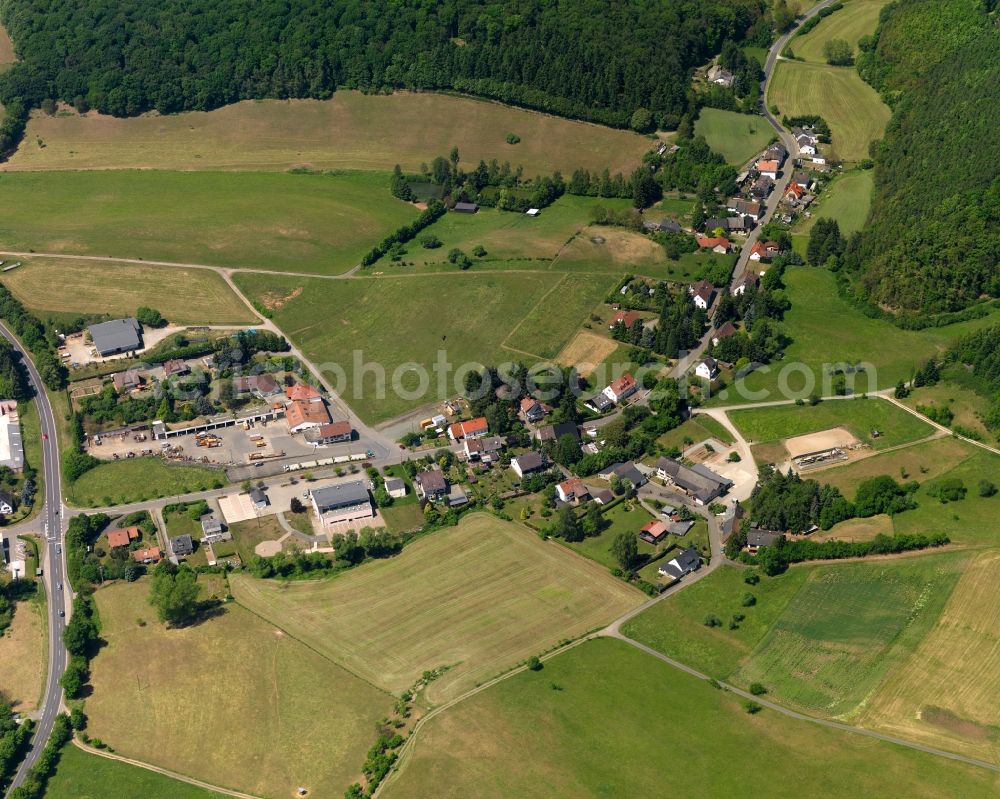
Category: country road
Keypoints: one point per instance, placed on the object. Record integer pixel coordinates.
(53, 562)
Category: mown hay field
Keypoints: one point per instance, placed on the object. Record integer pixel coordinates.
(478, 598)
(621, 722)
(349, 131)
(317, 223)
(184, 296)
(947, 694)
(231, 700)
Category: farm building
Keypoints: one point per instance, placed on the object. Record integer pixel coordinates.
(465, 208)
(698, 482)
(303, 414)
(342, 502)
(11, 447)
(116, 336)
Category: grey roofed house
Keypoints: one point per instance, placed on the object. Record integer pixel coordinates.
(182, 545)
(624, 471)
(116, 336)
(528, 462)
(664, 225)
(680, 527)
(687, 561)
(210, 525)
(431, 483)
(603, 496)
(457, 497)
(554, 432)
(340, 495)
(465, 208)
(698, 481)
(599, 402)
(761, 538)
(258, 497)
(395, 486)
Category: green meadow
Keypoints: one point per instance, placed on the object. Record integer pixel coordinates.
(739, 137)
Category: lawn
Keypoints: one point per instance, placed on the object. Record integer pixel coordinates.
(860, 416)
(827, 329)
(924, 461)
(183, 296)
(676, 626)
(693, 431)
(231, 700)
(954, 393)
(625, 724)
(478, 598)
(739, 137)
(848, 627)
(855, 113)
(80, 775)
(627, 517)
(612, 251)
(294, 222)
(23, 652)
(138, 479)
(463, 317)
(856, 19)
(349, 131)
(847, 199)
(947, 694)
(246, 536)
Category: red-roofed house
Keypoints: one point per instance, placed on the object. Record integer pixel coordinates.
(122, 538)
(727, 330)
(622, 388)
(151, 555)
(301, 391)
(625, 317)
(303, 414)
(572, 489)
(719, 244)
(794, 192)
(330, 433)
(474, 428)
(532, 410)
(768, 169)
(652, 531)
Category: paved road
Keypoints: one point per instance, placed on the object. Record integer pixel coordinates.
(53, 560)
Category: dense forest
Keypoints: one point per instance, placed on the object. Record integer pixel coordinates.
(589, 59)
(933, 236)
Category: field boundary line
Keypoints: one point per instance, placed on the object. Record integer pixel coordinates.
(531, 310)
(163, 771)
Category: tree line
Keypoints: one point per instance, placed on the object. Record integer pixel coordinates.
(588, 59)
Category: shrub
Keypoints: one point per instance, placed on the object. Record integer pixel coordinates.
(513, 138)
(986, 488)
(534, 664)
(752, 707)
(757, 689)
(748, 600)
(711, 620)
(751, 578)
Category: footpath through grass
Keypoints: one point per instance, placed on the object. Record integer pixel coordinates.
(626, 724)
(81, 775)
(477, 598)
(314, 223)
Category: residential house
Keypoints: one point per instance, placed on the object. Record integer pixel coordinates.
(707, 368)
(624, 471)
(662, 225)
(745, 281)
(474, 428)
(7, 503)
(745, 208)
(680, 527)
(116, 336)
(729, 224)
(342, 503)
(725, 331)
(527, 463)
(431, 485)
(456, 497)
(731, 519)
(123, 537)
(553, 432)
(794, 193)
(261, 386)
(653, 531)
(129, 380)
(720, 76)
(485, 449)
(213, 531)
(622, 388)
(572, 490)
(175, 367)
(802, 180)
(758, 537)
(302, 392)
(761, 187)
(599, 402)
(532, 410)
(625, 317)
(182, 545)
(395, 487)
(776, 152)
(602, 496)
(465, 208)
(717, 244)
(764, 250)
(686, 562)
(702, 293)
(148, 555)
(698, 482)
(768, 168)
(331, 433)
